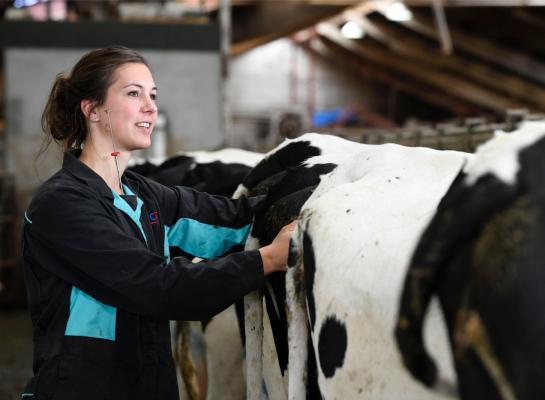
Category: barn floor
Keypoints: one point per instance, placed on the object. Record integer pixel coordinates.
(15, 353)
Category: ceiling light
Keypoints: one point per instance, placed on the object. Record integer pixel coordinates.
(351, 30)
(25, 3)
(398, 12)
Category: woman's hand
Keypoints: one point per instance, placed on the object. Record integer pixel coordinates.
(275, 255)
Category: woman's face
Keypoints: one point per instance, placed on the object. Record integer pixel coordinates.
(132, 109)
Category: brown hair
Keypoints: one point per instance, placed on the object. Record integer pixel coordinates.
(62, 118)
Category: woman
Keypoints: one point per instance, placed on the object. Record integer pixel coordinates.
(100, 281)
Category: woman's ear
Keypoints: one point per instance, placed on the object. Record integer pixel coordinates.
(89, 109)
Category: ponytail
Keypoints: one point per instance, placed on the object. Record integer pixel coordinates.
(62, 119)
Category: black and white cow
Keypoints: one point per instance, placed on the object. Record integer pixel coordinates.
(483, 256)
(367, 207)
(214, 172)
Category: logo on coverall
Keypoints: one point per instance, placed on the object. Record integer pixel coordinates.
(153, 218)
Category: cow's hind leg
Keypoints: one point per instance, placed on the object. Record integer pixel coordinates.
(184, 360)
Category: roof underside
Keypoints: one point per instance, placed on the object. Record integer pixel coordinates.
(496, 59)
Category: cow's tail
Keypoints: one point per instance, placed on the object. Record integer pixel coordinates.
(430, 256)
(419, 287)
(415, 299)
(297, 321)
(253, 326)
(253, 330)
(459, 218)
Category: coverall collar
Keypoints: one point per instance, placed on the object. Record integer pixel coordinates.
(72, 164)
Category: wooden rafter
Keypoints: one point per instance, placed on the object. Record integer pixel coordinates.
(268, 22)
(367, 71)
(447, 82)
(484, 49)
(411, 46)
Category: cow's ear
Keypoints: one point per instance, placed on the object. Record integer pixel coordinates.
(90, 110)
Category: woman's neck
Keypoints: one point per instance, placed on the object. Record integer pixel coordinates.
(105, 165)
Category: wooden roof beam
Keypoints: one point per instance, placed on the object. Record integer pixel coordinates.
(419, 50)
(330, 51)
(256, 25)
(451, 84)
(484, 49)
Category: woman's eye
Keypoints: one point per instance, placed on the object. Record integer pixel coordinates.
(153, 96)
(133, 93)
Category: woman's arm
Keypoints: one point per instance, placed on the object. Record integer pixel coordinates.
(77, 239)
(204, 225)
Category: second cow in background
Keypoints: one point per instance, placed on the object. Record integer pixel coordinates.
(482, 255)
(210, 362)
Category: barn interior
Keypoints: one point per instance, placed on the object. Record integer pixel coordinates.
(250, 73)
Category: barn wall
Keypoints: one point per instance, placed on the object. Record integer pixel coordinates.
(261, 85)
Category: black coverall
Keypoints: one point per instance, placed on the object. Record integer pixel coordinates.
(102, 287)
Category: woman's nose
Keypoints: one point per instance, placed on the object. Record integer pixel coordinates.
(149, 105)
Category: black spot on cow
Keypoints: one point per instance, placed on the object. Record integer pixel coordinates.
(310, 270)
(332, 344)
(286, 192)
(313, 389)
(280, 213)
(531, 178)
(144, 169)
(288, 156)
(173, 171)
(278, 321)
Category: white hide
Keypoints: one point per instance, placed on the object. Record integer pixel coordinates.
(499, 156)
(365, 219)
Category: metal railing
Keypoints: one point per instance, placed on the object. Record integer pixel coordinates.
(463, 135)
